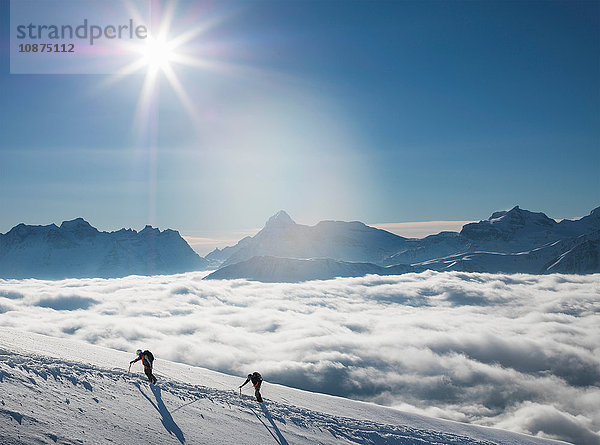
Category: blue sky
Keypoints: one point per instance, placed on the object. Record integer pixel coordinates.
(353, 110)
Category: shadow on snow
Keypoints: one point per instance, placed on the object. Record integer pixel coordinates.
(277, 435)
(166, 418)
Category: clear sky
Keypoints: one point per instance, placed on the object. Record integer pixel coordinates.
(383, 112)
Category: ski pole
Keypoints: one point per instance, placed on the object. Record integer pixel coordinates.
(129, 370)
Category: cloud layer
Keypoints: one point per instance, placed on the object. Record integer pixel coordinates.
(520, 352)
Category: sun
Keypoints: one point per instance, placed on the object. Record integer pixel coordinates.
(157, 57)
(164, 54)
(157, 53)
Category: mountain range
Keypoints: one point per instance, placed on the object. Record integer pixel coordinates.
(75, 249)
(282, 237)
(513, 241)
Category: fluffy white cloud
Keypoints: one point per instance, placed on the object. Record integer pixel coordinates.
(516, 351)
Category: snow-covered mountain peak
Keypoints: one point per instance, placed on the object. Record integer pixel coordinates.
(517, 216)
(78, 225)
(280, 220)
(511, 226)
(125, 231)
(149, 229)
(79, 250)
(520, 217)
(23, 230)
(498, 214)
(516, 210)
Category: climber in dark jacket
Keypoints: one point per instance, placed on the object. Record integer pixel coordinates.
(147, 359)
(256, 380)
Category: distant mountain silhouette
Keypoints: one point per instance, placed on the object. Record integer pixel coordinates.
(513, 241)
(343, 241)
(78, 250)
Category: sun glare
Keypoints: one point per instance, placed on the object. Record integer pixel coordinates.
(157, 54)
(163, 54)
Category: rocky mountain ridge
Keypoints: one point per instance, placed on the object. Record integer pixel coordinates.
(78, 250)
(513, 241)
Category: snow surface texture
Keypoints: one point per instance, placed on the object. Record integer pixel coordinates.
(63, 391)
(78, 250)
(519, 352)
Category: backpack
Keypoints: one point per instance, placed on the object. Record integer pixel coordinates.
(256, 376)
(148, 356)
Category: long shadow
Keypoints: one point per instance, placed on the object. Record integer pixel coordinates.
(185, 404)
(166, 418)
(277, 436)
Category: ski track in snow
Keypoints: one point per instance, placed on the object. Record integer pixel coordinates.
(77, 403)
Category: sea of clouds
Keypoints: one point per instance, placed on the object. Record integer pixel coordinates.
(519, 352)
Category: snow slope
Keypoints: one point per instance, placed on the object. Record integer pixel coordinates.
(64, 391)
(571, 255)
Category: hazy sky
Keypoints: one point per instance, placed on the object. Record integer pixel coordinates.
(382, 112)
